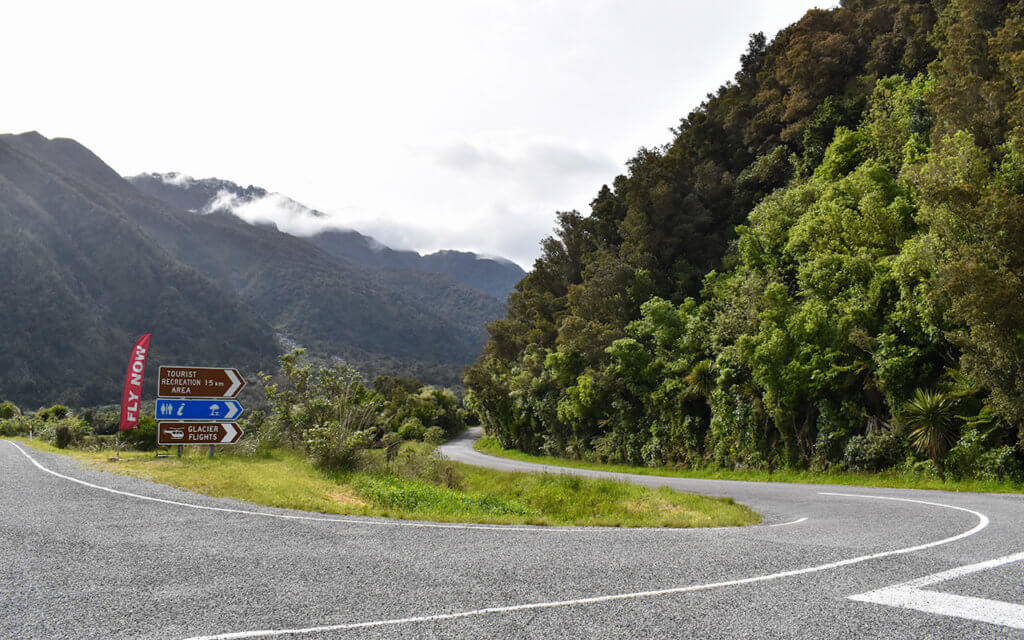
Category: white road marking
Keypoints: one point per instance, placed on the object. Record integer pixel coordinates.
(911, 595)
(386, 523)
(983, 522)
(786, 524)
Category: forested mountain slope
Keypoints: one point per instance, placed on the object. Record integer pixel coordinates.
(824, 268)
(80, 281)
(89, 263)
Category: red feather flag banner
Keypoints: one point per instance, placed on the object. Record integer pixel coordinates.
(131, 399)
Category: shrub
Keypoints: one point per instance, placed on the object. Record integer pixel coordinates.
(142, 437)
(61, 436)
(8, 410)
(972, 458)
(262, 436)
(392, 442)
(332, 447)
(421, 463)
(434, 436)
(931, 418)
(18, 425)
(56, 412)
(63, 432)
(411, 429)
(880, 449)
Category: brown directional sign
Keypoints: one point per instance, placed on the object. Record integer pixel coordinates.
(197, 433)
(200, 382)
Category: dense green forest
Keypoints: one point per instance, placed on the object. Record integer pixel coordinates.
(823, 269)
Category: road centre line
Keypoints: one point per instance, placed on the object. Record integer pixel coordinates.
(983, 522)
(389, 523)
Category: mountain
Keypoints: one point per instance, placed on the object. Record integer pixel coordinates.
(81, 281)
(90, 262)
(494, 276)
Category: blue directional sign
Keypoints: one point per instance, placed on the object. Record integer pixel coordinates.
(173, 409)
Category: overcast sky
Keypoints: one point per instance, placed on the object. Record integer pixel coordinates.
(428, 125)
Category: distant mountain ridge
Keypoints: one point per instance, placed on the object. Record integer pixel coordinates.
(494, 276)
(89, 262)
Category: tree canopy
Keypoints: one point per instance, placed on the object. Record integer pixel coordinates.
(835, 234)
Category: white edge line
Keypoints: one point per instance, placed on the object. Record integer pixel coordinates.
(385, 523)
(983, 522)
(786, 524)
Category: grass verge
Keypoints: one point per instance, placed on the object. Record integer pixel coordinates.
(490, 445)
(286, 479)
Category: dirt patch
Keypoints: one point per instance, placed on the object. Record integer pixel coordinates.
(345, 496)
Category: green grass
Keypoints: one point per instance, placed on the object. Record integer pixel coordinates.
(286, 479)
(490, 445)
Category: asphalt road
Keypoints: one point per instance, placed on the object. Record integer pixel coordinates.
(84, 554)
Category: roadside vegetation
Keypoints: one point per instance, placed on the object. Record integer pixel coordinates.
(910, 475)
(821, 272)
(327, 443)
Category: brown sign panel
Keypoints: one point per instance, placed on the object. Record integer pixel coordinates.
(197, 433)
(200, 382)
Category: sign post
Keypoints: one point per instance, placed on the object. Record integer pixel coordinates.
(194, 407)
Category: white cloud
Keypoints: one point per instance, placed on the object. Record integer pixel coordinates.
(463, 124)
(176, 179)
(277, 209)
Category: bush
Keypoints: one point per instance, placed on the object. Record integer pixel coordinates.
(18, 425)
(142, 437)
(261, 436)
(972, 458)
(880, 449)
(62, 436)
(392, 442)
(63, 432)
(332, 447)
(419, 463)
(8, 410)
(434, 436)
(411, 429)
(56, 412)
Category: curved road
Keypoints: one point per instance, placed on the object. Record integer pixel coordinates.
(85, 554)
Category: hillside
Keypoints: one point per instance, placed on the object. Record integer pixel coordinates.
(494, 277)
(822, 269)
(93, 262)
(81, 282)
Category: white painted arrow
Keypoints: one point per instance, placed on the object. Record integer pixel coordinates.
(236, 383)
(913, 595)
(233, 409)
(230, 431)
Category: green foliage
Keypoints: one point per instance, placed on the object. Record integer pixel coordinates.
(931, 420)
(881, 247)
(62, 432)
(411, 429)
(142, 437)
(879, 450)
(973, 456)
(8, 410)
(322, 408)
(332, 447)
(18, 425)
(56, 412)
(434, 436)
(392, 443)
